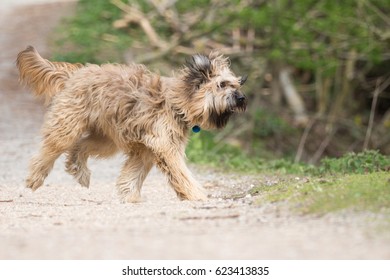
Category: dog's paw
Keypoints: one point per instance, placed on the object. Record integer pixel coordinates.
(131, 198)
(194, 195)
(34, 183)
(84, 179)
(82, 175)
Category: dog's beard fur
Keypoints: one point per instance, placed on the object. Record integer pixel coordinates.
(98, 110)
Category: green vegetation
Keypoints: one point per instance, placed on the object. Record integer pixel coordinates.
(358, 182)
(359, 192)
(89, 36)
(354, 181)
(360, 163)
(203, 149)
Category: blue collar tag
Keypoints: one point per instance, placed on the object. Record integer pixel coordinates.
(196, 129)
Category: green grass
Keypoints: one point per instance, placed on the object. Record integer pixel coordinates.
(203, 148)
(357, 181)
(359, 192)
(360, 163)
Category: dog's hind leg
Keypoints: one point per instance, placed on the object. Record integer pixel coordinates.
(133, 174)
(92, 145)
(41, 165)
(60, 132)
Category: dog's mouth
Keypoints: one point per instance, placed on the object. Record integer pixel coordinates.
(240, 107)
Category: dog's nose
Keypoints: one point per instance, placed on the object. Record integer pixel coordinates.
(240, 98)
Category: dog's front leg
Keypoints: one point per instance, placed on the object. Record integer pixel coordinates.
(133, 174)
(179, 176)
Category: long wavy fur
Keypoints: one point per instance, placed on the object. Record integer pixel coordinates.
(44, 77)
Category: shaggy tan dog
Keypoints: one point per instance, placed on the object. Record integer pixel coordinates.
(100, 110)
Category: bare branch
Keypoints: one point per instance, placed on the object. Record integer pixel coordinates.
(378, 89)
(294, 100)
(135, 16)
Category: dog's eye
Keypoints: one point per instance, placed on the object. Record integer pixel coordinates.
(222, 84)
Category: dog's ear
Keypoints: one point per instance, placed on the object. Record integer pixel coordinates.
(199, 69)
(243, 79)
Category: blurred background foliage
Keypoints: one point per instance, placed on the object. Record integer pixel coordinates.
(319, 70)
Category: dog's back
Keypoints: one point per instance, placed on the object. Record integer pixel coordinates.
(44, 77)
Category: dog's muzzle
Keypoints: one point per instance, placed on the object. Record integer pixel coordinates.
(236, 103)
(240, 100)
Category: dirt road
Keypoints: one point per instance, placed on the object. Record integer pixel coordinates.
(65, 221)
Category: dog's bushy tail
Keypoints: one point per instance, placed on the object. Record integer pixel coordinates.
(44, 77)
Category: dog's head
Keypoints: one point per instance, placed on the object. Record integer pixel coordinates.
(213, 91)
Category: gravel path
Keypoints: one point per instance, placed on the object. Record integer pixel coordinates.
(65, 221)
